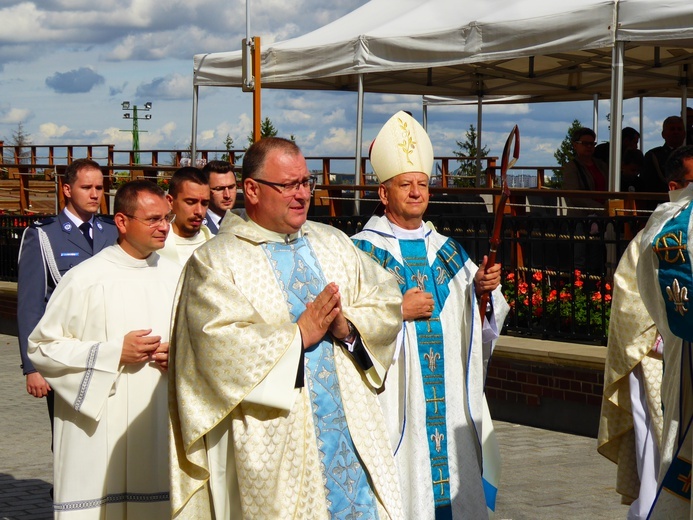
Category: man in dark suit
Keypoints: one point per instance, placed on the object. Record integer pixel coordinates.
(51, 247)
(222, 184)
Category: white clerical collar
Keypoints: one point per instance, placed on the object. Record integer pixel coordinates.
(76, 220)
(408, 234)
(676, 195)
(272, 236)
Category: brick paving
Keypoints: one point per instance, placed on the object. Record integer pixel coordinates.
(546, 475)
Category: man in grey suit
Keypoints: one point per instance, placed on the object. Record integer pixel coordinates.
(51, 247)
(222, 184)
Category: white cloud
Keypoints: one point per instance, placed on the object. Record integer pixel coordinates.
(13, 116)
(52, 130)
(337, 141)
(173, 86)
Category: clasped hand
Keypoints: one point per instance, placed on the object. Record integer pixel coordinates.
(140, 347)
(322, 315)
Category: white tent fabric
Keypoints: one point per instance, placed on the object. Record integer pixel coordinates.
(551, 50)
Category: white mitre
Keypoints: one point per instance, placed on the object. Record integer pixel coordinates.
(401, 146)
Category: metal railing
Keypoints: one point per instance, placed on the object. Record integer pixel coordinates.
(539, 255)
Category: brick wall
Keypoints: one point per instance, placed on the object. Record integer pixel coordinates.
(545, 394)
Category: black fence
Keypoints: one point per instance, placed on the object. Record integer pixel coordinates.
(557, 271)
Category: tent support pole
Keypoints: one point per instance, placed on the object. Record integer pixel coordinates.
(641, 122)
(359, 136)
(617, 57)
(425, 117)
(479, 111)
(595, 116)
(193, 138)
(257, 90)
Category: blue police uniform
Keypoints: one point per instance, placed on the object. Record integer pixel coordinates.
(38, 269)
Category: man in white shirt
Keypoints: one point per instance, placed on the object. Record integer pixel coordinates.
(223, 188)
(188, 195)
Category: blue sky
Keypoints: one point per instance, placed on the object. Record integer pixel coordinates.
(66, 66)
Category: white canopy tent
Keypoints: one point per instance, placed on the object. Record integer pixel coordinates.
(552, 51)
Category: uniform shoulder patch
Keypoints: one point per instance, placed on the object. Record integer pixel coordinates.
(42, 222)
(106, 219)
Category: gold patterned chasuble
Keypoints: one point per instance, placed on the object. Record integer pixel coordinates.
(243, 439)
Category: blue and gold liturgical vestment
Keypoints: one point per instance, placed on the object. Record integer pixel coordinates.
(665, 279)
(433, 398)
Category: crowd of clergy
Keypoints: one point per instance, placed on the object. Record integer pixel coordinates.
(202, 362)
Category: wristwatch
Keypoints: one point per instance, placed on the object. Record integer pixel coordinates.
(351, 336)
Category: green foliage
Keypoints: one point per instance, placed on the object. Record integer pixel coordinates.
(563, 154)
(465, 175)
(228, 144)
(267, 129)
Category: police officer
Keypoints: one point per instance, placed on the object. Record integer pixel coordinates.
(52, 246)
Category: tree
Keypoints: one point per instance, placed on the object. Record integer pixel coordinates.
(564, 154)
(465, 175)
(20, 139)
(228, 144)
(267, 129)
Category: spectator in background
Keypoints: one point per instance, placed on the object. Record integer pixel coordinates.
(652, 177)
(631, 165)
(689, 125)
(584, 173)
(630, 138)
(223, 188)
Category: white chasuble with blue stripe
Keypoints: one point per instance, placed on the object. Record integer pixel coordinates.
(415, 272)
(348, 489)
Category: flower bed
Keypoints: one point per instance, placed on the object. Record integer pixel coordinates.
(558, 302)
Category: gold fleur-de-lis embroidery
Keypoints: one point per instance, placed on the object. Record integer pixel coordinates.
(408, 145)
(420, 280)
(678, 295)
(437, 437)
(396, 273)
(432, 358)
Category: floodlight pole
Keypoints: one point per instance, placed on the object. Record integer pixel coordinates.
(131, 113)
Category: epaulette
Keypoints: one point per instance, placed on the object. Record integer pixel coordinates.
(42, 222)
(106, 219)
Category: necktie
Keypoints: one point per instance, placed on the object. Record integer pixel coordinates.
(85, 228)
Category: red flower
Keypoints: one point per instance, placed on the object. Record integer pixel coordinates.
(510, 277)
(522, 288)
(607, 298)
(578, 283)
(538, 276)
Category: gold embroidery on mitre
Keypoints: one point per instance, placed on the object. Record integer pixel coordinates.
(668, 244)
(408, 144)
(678, 295)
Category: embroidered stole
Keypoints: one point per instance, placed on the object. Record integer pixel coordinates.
(675, 280)
(416, 272)
(347, 487)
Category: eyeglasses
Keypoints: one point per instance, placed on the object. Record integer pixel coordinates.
(585, 143)
(154, 222)
(221, 189)
(289, 188)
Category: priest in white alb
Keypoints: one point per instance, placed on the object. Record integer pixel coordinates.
(102, 345)
(282, 336)
(440, 428)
